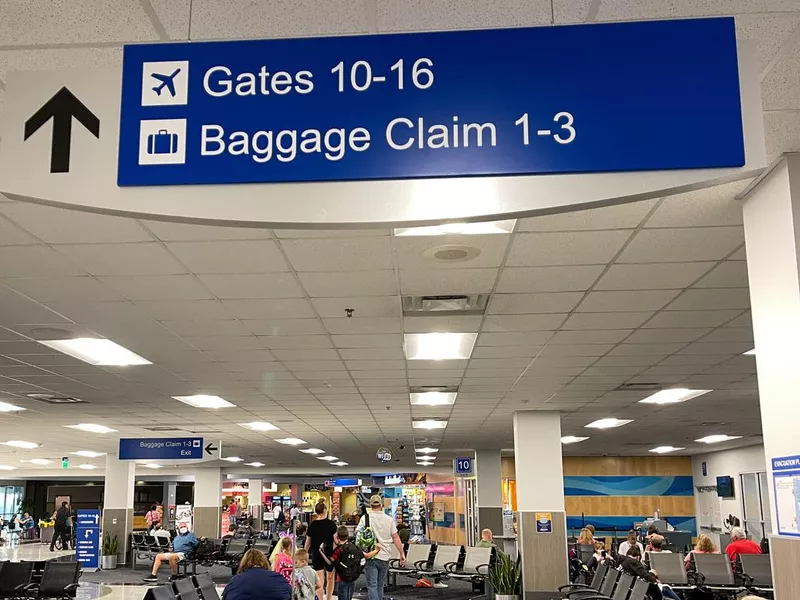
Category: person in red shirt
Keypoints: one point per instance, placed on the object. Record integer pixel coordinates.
(740, 545)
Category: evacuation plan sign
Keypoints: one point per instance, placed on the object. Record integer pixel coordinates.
(635, 96)
(786, 482)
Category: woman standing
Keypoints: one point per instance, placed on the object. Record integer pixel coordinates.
(319, 540)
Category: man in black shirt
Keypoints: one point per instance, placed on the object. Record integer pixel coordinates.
(60, 530)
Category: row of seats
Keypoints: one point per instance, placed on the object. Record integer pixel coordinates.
(441, 561)
(608, 584)
(24, 580)
(197, 587)
(713, 572)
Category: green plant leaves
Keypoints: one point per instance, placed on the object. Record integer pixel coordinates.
(505, 576)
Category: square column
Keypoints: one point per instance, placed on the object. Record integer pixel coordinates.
(540, 489)
(255, 493)
(207, 508)
(772, 236)
(118, 502)
(489, 487)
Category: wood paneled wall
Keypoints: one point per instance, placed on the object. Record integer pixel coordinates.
(615, 465)
(674, 506)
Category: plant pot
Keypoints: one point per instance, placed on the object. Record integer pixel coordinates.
(108, 562)
(505, 597)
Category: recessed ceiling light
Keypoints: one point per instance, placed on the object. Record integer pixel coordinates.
(438, 346)
(254, 464)
(7, 468)
(259, 426)
(715, 439)
(87, 467)
(312, 451)
(37, 461)
(665, 449)
(427, 450)
(152, 466)
(486, 228)
(233, 459)
(21, 444)
(89, 453)
(97, 351)
(608, 423)
(424, 463)
(749, 352)
(340, 463)
(328, 458)
(6, 407)
(204, 401)
(572, 439)
(291, 441)
(429, 424)
(432, 398)
(673, 396)
(92, 428)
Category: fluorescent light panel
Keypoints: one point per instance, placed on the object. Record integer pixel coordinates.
(233, 459)
(291, 441)
(259, 426)
(87, 467)
(312, 451)
(96, 351)
(254, 464)
(328, 458)
(715, 439)
(204, 401)
(433, 398)
(21, 444)
(484, 228)
(89, 453)
(152, 466)
(37, 461)
(572, 439)
(438, 346)
(429, 424)
(6, 407)
(673, 396)
(340, 463)
(665, 449)
(7, 468)
(92, 428)
(427, 450)
(608, 423)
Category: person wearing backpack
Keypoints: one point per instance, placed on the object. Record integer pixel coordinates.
(381, 528)
(348, 561)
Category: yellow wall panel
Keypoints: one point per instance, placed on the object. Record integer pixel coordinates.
(633, 506)
(615, 465)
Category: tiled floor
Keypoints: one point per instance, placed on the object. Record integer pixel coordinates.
(18, 552)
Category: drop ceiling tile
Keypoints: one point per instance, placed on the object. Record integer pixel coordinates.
(438, 324)
(655, 336)
(364, 325)
(184, 232)
(730, 334)
(548, 279)
(716, 205)
(410, 251)
(729, 274)
(295, 341)
(705, 348)
(529, 338)
(371, 353)
(712, 299)
(560, 302)
(383, 306)
(693, 360)
(276, 327)
(36, 261)
(226, 257)
(631, 301)
(418, 15)
(357, 254)
(505, 351)
(12, 235)
(513, 323)
(368, 341)
(617, 320)
(574, 248)
(315, 354)
(294, 308)
(682, 245)
(646, 349)
(628, 360)
(147, 258)
(346, 283)
(576, 349)
(653, 276)
(429, 282)
(609, 336)
(183, 310)
(623, 216)
(158, 287)
(669, 319)
(264, 285)
(368, 365)
(64, 289)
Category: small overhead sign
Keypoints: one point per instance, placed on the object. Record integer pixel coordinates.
(462, 466)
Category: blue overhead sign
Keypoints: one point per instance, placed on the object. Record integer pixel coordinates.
(462, 466)
(177, 448)
(608, 97)
(87, 538)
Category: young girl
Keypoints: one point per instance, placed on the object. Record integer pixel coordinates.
(282, 562)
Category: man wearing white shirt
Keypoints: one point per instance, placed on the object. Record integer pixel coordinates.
(385, 533)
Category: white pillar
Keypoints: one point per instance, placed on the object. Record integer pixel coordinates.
(207, 502)
(489, 487)
(255, 492)
(540, 495)
(120, 479)
(772, 235)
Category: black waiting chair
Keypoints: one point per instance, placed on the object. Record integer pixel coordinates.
(605, 590)
(671, 570)
(756, 572)
(184, 589)
(59, 580)
(14, 576)
(714, 573)
(160, 592)
(205, 584)
(592, 588)
(619, 592)
(639, 590)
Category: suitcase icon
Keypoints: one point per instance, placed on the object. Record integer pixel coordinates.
(162, 142)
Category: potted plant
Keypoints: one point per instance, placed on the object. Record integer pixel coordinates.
(108, 558)
(505, 577)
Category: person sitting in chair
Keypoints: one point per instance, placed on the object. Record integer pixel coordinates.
(184, 544)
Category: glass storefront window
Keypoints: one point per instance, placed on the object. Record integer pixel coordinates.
(10, 498)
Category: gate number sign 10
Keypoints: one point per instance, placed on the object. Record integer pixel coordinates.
(464, 466)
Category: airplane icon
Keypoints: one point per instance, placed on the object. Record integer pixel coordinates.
(167, 81)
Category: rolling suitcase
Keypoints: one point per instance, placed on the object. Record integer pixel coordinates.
(162, 142)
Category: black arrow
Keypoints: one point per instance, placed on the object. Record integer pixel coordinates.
(211, 448)
(62, 108)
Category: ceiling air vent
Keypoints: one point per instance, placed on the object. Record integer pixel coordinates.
(163, 428)
(638, 387)
(206, 431)
(451, 304)
(55, 399)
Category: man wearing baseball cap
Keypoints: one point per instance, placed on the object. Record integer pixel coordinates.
(385, 533)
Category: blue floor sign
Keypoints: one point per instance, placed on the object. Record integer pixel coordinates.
(87, 539)
(179, 448)
(571, 99)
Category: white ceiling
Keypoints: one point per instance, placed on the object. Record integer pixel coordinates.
(653, 292)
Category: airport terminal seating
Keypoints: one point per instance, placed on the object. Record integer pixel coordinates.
(474, 568)
(200, 587)
(671, 570)
(445, 555)
(756, 573)
(714, 573)
(59, 580)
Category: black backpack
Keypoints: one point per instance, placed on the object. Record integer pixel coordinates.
(351, 562)
(205, 548)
